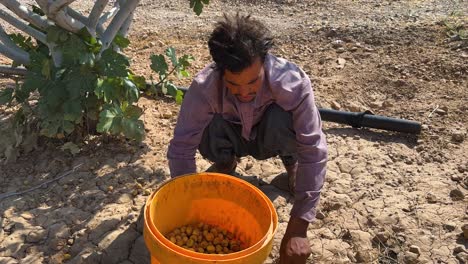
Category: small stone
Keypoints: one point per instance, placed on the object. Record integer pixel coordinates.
(458, 136)
(415, 249)
(431, 198)
(36, 236)
(70, 241)
(449, 227)
(465, 231)
(410, 257)
(440, 111)
(66, 256)
(27, 215)
(335, 105)
(320, 215)
(462, 257)
(146, 192)
(456, 177)
(457, 195)
(167, 115)
(110, 188)
(458, 249)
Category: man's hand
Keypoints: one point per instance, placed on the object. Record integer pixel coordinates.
(295, 247)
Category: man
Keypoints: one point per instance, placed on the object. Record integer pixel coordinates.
(249, 102)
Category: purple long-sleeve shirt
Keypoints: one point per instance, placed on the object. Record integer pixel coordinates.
(286, 85)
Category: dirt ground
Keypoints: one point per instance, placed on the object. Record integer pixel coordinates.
(388, 197)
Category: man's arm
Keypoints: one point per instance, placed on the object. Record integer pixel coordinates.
(195, 114)
(296, 95)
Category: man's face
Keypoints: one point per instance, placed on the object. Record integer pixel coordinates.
(245, 84)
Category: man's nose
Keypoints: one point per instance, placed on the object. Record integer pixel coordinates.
(244, 91)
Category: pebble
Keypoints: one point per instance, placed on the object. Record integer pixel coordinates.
(415, 249)
(457, 195)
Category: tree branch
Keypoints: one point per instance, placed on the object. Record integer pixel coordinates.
(126, 25)
(76, 15)
(23, 26)
(8, 70)
(19, 56)
(26, 14)
(67, 22)
(57, 6)
(7, 40)
(119, 19)
(96, 12)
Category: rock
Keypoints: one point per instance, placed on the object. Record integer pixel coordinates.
(116, 245)
(345, 166)
(449, 226)
(462, 257)
(335, 201)
(320, 215)
(340, 63)
(410, 257)
(139, 253)
(458, 136)
(387, 104)
(376, 104)
(353, 107)
(381, 237)
(457, 195)
(125, 198)
(36, 235)
(167, 115)
(415, 249)
(8, 260)
(440, 111)
(431, 198)
(459, 249)
(335, 105)
(59, 230)
(337, 44)
(465, 231)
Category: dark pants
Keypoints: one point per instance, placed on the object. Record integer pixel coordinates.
(222, 141)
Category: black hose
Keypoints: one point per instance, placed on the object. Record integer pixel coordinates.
(367, 119)
(364, 119)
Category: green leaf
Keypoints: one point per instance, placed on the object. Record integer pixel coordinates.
(184, 73)
(139, 81)
(171, 53)
(198, 7)
(105, 89)
(68, 127)
(63, 36)
(113, 64)
(106, 118)
(46, 67)
(133, 129)
(53, 34)
(121, 41)
(6, 96)
(37, 10)
(179, 97)
(72, 110)
(185, 61)
(131, 91)
(72, 147)
(133, 112)
(158, 64)
(171, 89)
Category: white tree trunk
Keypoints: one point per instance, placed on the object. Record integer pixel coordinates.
(60, 14)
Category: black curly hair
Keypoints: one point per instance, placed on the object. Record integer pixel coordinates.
(237, 41)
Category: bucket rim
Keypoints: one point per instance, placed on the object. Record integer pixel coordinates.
(265, 240)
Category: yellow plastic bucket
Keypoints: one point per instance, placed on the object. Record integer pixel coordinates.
(215, 199)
